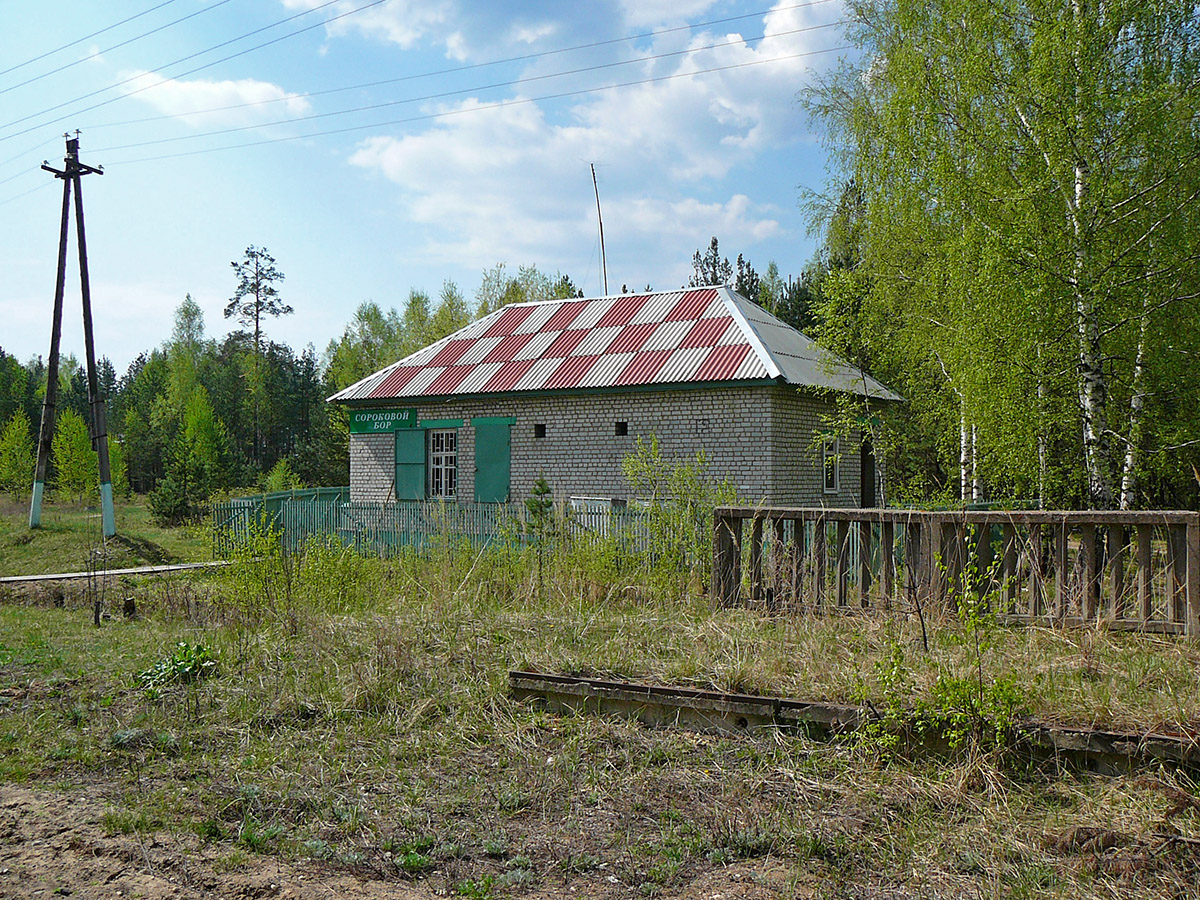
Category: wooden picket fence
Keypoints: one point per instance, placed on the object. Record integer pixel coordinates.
(1134, 570)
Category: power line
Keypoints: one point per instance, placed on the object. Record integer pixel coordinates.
(559, 95)
(20, 174)
(86, 37)
(183, 74)
(40, 187)
(24, 153)
(504, 104)
(469, 90)
(124, 43)
(526, 57)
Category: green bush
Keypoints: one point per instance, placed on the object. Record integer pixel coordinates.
(170, 504)
(16, 456)
(189, 663)
(679, 497)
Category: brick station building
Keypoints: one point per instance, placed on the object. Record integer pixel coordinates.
(563, 388)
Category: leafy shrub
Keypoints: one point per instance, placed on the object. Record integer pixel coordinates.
(680, 498)
(189, 663)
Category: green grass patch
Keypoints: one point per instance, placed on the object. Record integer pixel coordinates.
(70, 537)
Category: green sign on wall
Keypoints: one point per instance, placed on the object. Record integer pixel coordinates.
(380, 421)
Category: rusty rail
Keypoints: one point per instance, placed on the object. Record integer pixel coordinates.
(1133, 570)
(1109, 752)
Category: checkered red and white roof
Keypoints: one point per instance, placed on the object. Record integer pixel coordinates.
(680, 337)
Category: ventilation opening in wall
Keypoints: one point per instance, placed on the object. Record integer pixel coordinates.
(539, 430)
(621, 429)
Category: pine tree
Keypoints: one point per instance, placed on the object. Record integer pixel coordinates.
(710, 268)
(255, 297)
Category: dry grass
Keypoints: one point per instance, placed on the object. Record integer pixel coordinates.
(360, 716)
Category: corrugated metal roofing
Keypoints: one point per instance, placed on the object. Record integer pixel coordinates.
(675, 337)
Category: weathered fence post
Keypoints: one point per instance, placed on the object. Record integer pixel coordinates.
(1116, 570)
(799, 560)
(887, 562)
(1061, 573)
(1192, 628)
(957, 558)
(727, 558)
(1177, 563)
(756, 559)
(865, 536)
(843, 562)
(820, 555)
(1037, 573)
(1091, 572)
(912, 558)
(1145, 572)
(779, 562)
(983, 559)
(1008, 567)
(945, 532)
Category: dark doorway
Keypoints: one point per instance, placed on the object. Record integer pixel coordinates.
(866, 458)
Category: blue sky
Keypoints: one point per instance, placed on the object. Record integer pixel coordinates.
(484, 119)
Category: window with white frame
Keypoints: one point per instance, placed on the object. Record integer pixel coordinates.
(830, 463)
(443, 463)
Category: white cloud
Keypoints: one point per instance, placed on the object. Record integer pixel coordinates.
(234, 102)
(507, 185)
(470, 29)
(401, 22)
(512, 183)
(531, 34)
(640, 13)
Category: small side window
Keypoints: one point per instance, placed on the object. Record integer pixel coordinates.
(830, 464)
(539, 430)
(620, 429)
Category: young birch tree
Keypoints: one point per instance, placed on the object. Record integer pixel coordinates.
(1030, 177)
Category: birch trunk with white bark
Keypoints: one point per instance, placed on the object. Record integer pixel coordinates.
(1137, 403)
(1092, 383)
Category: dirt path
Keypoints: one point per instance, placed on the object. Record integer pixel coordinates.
(55, 844)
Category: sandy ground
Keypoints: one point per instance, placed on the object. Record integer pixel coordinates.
(54, 844)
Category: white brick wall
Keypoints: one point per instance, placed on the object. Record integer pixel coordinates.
(760, 438)
(372, 467)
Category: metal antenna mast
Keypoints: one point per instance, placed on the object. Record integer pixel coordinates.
(603, 259)
(72, 174)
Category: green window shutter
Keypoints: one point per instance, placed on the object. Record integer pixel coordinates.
(410, 465)
(492, 455)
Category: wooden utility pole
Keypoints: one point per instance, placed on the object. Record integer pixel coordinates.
(72, 174)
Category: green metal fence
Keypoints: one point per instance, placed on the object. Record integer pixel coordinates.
(296, 514)
(385, 528)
